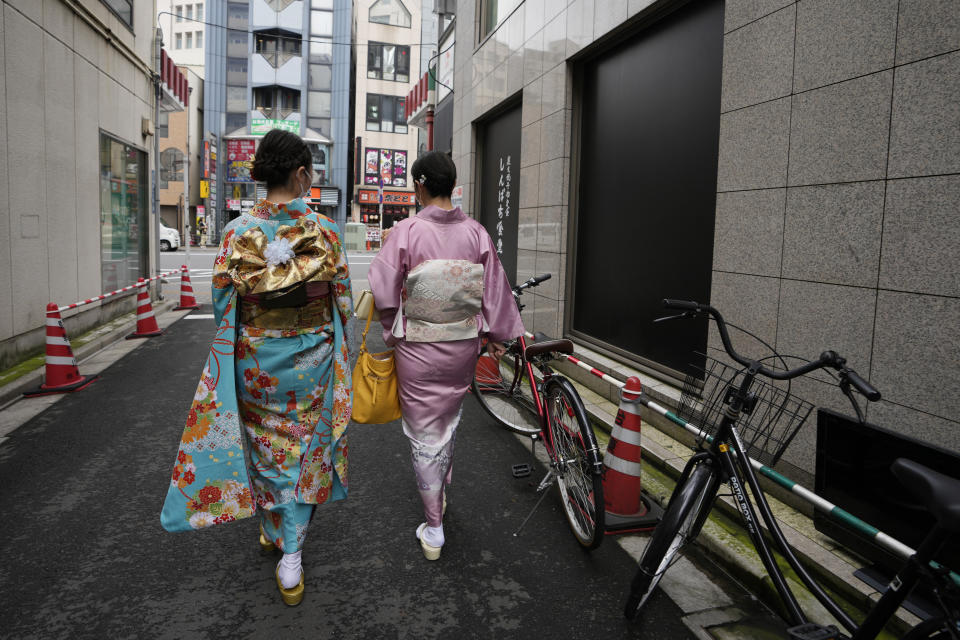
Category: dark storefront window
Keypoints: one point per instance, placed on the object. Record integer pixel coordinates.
(500, 186)
(648, 146)
(123, 213)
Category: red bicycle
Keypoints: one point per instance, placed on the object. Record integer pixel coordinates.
(545, 406)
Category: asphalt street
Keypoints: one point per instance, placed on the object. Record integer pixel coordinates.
(85, 557)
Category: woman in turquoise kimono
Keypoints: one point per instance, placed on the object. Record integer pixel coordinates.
(267, 429)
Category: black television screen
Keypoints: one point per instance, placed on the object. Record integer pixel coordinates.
(853, 472)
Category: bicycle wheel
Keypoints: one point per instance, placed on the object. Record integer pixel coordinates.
(688, 509)
(576, 460)
(933, 629)
(509, 403)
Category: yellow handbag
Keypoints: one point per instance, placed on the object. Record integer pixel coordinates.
(376, 398)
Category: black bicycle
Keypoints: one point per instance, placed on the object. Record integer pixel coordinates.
(753, 416)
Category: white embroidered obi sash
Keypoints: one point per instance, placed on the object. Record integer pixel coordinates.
(443, 302)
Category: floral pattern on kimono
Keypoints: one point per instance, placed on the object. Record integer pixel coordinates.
(267, 425)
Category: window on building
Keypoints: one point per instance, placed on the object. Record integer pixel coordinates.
(163, 124)
(319, 104)
(388, 62)
(277, 46)
(171, 166)
(236, 44)
(389, 165)
(238, 14)
(189, 40)
(493, 12)
(199, 39)
(321, 50)
(321, 23)
(236, 121)
(276, 102)
(124, 10)
(179, 12)
(189, 12)
(123, 214)
(390, 12)
(321, 4)
(178, 41)
(236, 98)
(237, 71)
(320, 76)
(320, 124)
(386, 113)
(199, 11)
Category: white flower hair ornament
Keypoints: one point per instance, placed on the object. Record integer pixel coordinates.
(278, 251)
(422, 179)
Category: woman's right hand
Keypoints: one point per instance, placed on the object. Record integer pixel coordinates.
(496, 349)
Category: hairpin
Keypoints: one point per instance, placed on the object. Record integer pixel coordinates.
(422, 179)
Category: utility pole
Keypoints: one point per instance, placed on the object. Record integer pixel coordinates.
(156, 156)
(186, 183)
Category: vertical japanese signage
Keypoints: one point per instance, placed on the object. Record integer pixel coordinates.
(500, 187)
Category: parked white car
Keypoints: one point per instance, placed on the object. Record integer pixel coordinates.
(169, 238)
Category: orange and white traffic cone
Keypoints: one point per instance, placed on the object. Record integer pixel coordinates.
(62, 374)
(187, 301)
(146, 322)
(626, 508)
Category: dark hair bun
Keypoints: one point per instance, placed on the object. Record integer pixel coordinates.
(436, 172)
(279, 153)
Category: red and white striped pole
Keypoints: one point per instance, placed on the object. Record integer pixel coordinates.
(187, 300)
(146, 322)
(61, 374)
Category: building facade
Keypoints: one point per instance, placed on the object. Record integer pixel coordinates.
(184, 32)
(388, 55)
(273, 67)
(795, 163)
(77, 103)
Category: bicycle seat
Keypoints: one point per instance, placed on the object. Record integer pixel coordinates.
(940, 494)
(561, 346)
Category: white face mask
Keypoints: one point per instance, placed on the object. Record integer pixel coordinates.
(304, 191)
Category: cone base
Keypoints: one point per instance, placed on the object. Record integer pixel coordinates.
(646, 520)
(186, 306)
(45, 390)
(149, 334)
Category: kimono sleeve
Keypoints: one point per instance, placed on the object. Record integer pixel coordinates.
(386, 276)
(501, 318)
(221, 283)
(342, 289)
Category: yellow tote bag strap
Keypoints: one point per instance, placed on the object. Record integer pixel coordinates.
(363, 343)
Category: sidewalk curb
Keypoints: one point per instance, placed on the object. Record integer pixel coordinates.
(34, 379)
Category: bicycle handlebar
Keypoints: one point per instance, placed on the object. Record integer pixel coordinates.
(829, 359)
(532, 282)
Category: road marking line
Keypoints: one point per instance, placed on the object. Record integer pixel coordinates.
(199, 316)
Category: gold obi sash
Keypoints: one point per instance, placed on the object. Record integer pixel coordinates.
(298, 255)
(443, 301)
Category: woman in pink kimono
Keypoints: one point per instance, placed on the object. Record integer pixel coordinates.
(440, 289)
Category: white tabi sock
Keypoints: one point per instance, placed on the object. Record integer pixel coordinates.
(289, 569)
(433, 536)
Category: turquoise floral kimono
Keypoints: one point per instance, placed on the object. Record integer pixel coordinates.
(266, 432)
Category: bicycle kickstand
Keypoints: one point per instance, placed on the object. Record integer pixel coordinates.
(541, 489)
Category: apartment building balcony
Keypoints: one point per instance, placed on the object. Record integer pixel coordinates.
(277, 14)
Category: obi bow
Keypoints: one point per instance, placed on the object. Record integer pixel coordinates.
(298, 253)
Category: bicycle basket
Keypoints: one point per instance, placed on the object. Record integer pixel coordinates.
(766, 430)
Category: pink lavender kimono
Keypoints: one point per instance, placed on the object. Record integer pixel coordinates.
(440, 288)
